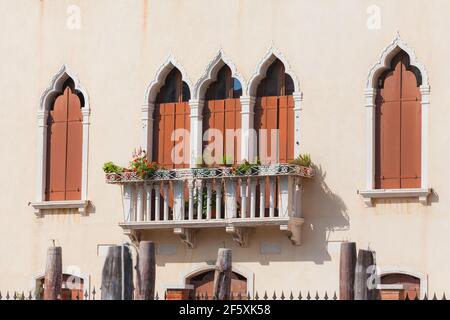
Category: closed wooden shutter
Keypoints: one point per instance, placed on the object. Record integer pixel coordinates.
(398, 129)
(169, 117)
(64, 148)
(276, 113)
(224, 115)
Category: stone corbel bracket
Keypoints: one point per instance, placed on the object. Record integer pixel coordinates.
(134, 235)
(187, 236)
(240, 235)
(293, 230)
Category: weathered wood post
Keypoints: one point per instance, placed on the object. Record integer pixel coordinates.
(145, 271)
(347, 271)
(222, 275)
(365, 276)
(53, 274)
(113, 287)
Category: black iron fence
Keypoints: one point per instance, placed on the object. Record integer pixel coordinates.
(93, 295)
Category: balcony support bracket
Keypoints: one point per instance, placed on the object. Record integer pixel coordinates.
(240, 235)
(134, 235)
(187, 236)
(293, 230)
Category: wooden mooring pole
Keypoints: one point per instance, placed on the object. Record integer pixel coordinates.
(347, 271)
(365, 276)
(53, 274)
(222, 275)
(145, 272)
(117, 264)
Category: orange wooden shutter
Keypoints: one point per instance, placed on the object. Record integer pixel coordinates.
(74, 148)
(168, 117)
(56, 150)
(286, 129)
(398, 130)
(64, 154)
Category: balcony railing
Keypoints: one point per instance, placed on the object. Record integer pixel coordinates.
(187, 200)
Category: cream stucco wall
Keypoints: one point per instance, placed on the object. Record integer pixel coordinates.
(116, 54)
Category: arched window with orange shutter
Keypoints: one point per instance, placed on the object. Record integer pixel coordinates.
(64, 146)
(222, 112)
(274, 112)
(171, 113)
(398, 126)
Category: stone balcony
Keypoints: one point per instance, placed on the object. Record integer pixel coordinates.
(186, 201)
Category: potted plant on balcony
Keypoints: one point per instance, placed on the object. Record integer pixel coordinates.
(142, 167)
(246, 168)
(304, 161)
(113, 172)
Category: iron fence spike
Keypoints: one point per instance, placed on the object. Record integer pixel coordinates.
(443, 297)
(274, 297)
(407, 296)
(435, 297)
(308, 297)
(265, 295)
(326, 296)
(248, 296)
(256, 296)
(7, 295)
(317, 295)
(15, 296)
(86, 295)
(291, 297)
(282, 295)
(30, 297)
(335, 296)
(300, 295)
(239, 296)
(1, 295)
(23, 296)
(156, 297)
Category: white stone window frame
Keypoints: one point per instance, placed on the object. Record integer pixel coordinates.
(198, 101)
(55, 87)
(148, 107)
(384, 63)
(248, 101)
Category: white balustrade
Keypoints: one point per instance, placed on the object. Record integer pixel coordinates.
(142, 201)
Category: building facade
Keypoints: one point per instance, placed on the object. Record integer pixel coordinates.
(360, 86)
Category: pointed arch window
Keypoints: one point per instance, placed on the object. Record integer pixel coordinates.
(64, 146)
(397, 104)
(222, 112)
(398, 129)
(274, 112)
(172, 113)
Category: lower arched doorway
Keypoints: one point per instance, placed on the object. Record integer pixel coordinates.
(72, 288)
(399, 286)
(203, 284)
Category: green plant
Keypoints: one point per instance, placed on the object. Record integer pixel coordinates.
(247, 168)
(303, 160)
(110, 167)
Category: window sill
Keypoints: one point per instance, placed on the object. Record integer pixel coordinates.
(370, 195)
(81, 205)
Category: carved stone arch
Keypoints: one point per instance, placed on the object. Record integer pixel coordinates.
(153, 88)
(210, 74)
(384, 62)
(261, 69)
(56, 86)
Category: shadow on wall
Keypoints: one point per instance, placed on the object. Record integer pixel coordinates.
(324, 212)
